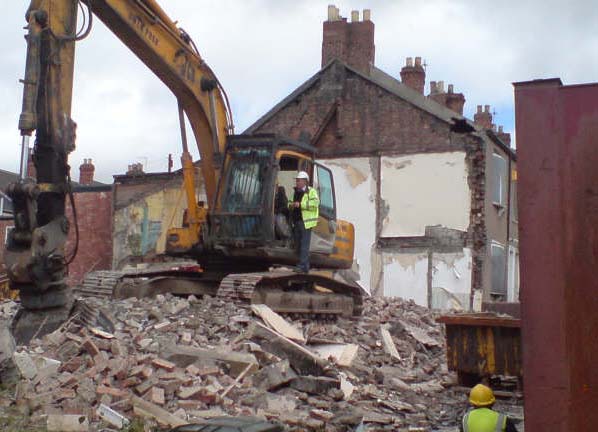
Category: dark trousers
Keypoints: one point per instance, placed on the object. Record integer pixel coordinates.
(302, 238)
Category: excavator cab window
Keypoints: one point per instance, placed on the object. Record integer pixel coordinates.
(245, 185)
(243, 194)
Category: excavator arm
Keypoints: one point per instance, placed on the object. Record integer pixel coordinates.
(35, 257)
(171, 54)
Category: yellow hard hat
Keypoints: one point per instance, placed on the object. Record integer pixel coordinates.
(481, 396)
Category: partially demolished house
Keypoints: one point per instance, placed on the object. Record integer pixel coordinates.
(145, 206)
(429, 192)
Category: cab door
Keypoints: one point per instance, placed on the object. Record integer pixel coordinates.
(324, 234)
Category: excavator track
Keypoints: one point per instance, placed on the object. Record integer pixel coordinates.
(287, 292)
(182, 279)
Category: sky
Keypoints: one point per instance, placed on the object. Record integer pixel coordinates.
(261, 50)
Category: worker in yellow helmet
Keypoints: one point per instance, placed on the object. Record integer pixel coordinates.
(482, 418)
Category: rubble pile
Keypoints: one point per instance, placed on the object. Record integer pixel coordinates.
(173, 361)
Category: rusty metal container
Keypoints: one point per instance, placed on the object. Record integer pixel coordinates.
(482, 345)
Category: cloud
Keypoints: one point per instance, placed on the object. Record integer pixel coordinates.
(261, 50)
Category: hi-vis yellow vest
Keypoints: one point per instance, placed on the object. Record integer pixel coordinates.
(484, 420)
(310, 203)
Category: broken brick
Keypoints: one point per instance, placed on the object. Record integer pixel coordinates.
(101, 390)
(156, 395)
(163, 364)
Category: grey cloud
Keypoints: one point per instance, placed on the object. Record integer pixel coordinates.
(262, 49)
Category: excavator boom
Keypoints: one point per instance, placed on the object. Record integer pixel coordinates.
(35, 258)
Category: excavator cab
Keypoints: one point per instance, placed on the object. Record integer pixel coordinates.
(251, 218)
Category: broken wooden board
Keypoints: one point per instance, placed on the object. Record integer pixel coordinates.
(303, 361)
(342, 354)
(183, 356)
(389, 345)
(148, 409)
(277, 323)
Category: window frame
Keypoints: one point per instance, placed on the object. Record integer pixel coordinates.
(6, 231)
(502, 180)
(329, 213)
(494, 244)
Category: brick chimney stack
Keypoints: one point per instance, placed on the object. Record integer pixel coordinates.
(351, 42)
(414, 76)
(135, 169)
(455, 101)
(504, 136)
(86, 170)
(450, 99)
(483, 118)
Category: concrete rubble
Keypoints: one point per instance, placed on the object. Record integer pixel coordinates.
(172, 361)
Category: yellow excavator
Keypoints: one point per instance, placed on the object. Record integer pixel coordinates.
(240, 228)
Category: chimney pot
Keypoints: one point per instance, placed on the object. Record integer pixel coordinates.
(331, 13)
(355, 16)
(479, 109)
(440, 86)
(450, 88)
(418, 61)
(432, 87)
(487, 108)
(367, 14)
(409, 61)
(500, 129)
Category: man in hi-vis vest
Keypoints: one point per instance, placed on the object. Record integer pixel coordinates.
(482, 418)
(304, 216)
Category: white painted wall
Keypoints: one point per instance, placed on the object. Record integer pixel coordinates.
(451, 280)
(356, 203)
(422, 190)
(406, 276)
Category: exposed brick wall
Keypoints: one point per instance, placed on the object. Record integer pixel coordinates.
(477, 238)
(368, 119)
(94, 213)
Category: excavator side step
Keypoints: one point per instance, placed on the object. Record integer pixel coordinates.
(294, 293)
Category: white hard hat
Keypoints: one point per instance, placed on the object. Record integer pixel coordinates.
(302, 175)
